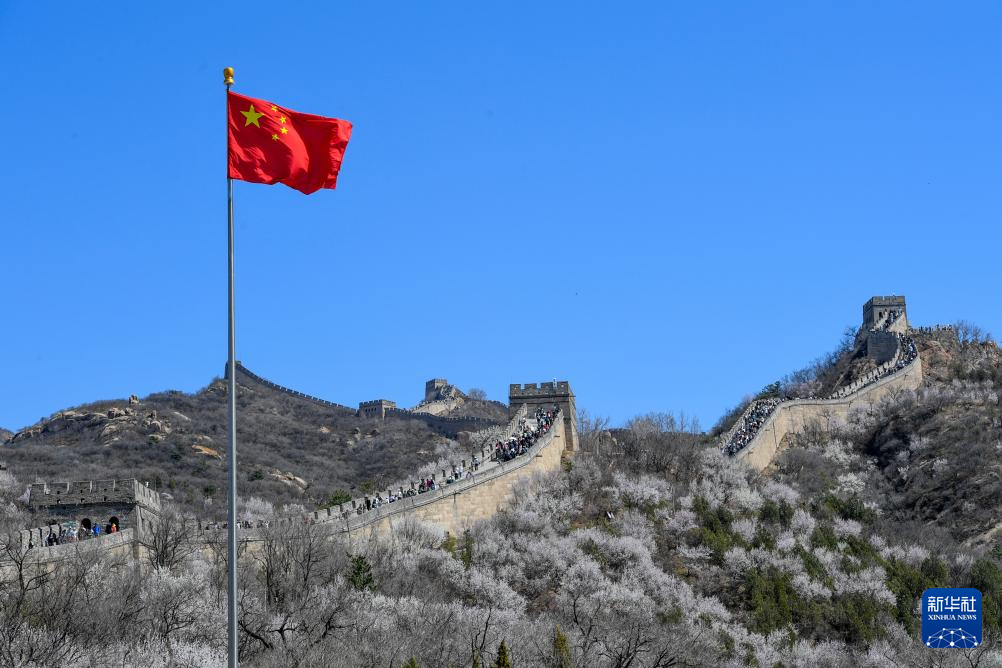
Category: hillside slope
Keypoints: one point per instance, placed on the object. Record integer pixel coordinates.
(291, 449)
(925, 461)
(649, 550)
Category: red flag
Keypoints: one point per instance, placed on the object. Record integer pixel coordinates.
(272, 144)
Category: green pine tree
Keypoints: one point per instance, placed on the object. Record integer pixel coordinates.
(502, 660)
(466, 550)
(561, 649)
(360, 573)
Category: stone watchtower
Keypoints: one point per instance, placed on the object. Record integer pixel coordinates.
(377, 408)
(546, 395)
(127, 503)
(884, 318)
(432, 388)
(877, 310)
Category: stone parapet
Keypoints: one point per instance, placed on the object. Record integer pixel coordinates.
(796, 415)
(241, 369)
(47, 495)
(122, 542)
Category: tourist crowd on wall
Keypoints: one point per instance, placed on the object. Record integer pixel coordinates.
(907, 352)
(892, 317)
(756, 415)
(501, 451)
(71, 532)
(751, 421)
(520, 443)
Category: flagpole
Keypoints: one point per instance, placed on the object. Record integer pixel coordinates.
(231, 373)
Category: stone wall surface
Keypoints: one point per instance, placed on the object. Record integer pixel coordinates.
(794, 416)
(457, 506)
(881, 346)
(122, 544)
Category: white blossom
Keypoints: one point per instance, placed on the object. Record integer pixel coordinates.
(803, 524)
(845, 527)
(744, 527)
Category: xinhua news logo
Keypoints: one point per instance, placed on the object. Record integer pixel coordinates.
(951, 618)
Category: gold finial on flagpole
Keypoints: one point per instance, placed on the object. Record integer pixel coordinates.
(228, 76)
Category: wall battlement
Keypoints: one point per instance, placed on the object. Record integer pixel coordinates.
(241, 369)
(375, 409)
(553, 388)
(45, 495)
(545, 395)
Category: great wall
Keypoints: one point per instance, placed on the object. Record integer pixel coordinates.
(770, 421)
(366, 408)
(457, 501)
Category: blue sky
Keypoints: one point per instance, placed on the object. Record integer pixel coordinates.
(668, 204)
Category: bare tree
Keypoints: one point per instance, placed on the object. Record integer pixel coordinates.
(169, 542)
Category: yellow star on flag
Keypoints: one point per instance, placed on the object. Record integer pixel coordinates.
(285, 130)
(252, 116)
(282, 118)
(274, 108)
(274, 137)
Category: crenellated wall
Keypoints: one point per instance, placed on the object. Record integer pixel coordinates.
(241, 369)
(452, 506)
(457, 506)
(449, 425)
(796, 415)
(49, 495)
(123, 543)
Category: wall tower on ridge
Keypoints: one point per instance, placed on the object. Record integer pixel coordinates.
(878, 308)
(432, 387)
(546, 395)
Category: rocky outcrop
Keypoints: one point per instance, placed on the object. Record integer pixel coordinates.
(108, 426)
(290, 479)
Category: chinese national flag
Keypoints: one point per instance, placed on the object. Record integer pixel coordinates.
(272, 144)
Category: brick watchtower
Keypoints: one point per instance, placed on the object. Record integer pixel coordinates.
(129, 503)
(546, 395)
(433, 387)
(877, 309)
(377, 408)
